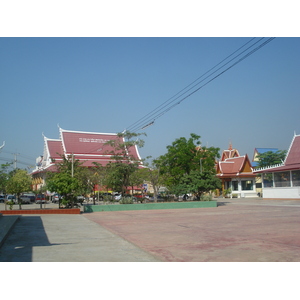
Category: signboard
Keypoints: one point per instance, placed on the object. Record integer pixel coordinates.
(145, 187)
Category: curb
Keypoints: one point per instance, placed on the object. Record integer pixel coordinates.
(41, 211)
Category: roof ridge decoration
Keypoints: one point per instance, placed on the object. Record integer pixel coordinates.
(269, 167)
(62, 141)
(86, 132)
(241, 156)
(290, 147)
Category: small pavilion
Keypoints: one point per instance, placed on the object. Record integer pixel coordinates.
(236, 174)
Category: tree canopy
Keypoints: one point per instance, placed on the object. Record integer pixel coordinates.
(123, 165)
(69, 181)
(4, 177)
(18, 183)
(270, 158)
(191, 167)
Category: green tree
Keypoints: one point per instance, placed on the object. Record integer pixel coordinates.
(119, 175)
(68, 181)
(123, 163)
(20, 182)
(96, 178)
(135, 179)
(270, 158)
(191, 168)
(65, 185)
(4, 177)
(197, 183)
(153, 175)
(180, 158)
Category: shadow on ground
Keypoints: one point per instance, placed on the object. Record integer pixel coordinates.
(222, 203)
(27, 233)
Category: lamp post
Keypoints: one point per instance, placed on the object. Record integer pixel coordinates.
(201, 165)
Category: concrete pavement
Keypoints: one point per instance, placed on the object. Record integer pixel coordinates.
(242, 230)
(67, 238)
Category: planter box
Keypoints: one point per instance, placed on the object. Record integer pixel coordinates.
(148, 206)
(41, 211)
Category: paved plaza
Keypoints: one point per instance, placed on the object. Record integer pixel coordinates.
(238, 230)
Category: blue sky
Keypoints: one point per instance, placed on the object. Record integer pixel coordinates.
(107, 84)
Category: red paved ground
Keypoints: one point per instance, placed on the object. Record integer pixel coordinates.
(237, 231)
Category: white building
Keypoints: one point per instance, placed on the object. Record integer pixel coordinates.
(283, 181)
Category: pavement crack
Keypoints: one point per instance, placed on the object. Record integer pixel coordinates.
(184, 226)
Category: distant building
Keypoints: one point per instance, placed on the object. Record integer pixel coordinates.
(255, 162)
(87, 147)
(282, 181)
(236, 174)
(258, 151)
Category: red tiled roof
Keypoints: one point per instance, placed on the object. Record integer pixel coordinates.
(87, 147)
(91, 145)
(237, 166)
(293, 156)
(55, 148)
(50, 168)
(86, 143)
(292, 160)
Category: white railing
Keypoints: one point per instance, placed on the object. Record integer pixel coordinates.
(269, 167)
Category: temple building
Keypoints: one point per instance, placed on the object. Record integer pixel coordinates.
(230, 153)
(236, 174)
(282, 181)
(87, 147)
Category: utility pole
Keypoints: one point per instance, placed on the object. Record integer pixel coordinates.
(15, 159)
(72, 164)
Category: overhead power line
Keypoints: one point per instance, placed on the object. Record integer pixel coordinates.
(226, 64)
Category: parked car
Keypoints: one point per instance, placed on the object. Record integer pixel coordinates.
(55, 198)
(28, 197)
(41, 198)
(117, 197)
(10, 198)
(2, 198)
(25, 199)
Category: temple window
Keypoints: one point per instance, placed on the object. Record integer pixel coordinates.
(296, 178)
(235, 186)
(282, 179)
(247, 185)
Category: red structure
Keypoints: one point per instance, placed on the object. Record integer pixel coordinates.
(87, 147)
(282, 181)
(236, 174)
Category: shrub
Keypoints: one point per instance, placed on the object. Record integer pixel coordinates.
(126, 200)
(11, 204)
(206, 198)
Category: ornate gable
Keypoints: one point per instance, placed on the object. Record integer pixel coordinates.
(230, 153)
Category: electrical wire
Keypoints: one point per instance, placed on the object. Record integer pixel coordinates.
(16, 160)
(149, 118)
(165, 103)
